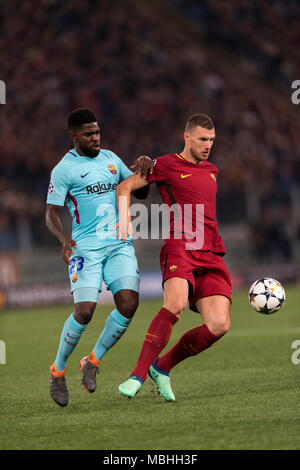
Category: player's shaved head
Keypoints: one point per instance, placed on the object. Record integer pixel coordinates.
(79, 117)
(201, 120)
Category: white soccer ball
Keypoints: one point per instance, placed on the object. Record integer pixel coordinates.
(266, 295)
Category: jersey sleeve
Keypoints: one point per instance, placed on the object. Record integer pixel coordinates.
(158, 173)
(124, 172)
(58, 187)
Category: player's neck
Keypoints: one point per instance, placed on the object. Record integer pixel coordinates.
(79, 151)
(189, 157)
(82, 153)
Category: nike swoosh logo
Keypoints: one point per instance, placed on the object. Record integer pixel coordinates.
(185, 176)
(83, 176)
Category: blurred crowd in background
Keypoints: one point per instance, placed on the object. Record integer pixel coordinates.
(144, 68)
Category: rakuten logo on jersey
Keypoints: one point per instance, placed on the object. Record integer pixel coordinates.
(101, 188)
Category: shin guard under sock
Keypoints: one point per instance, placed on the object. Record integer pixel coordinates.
(157, 337)
(70, 337)
(115, 326)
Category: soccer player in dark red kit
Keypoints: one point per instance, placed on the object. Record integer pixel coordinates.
(192, 269)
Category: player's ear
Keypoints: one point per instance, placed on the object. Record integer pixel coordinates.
(186, 136)
(73, 134)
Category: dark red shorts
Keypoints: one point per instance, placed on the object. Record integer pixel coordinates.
(206, 272)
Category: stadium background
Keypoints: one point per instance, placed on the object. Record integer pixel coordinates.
(144, 68)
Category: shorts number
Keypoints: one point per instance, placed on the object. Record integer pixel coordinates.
(77, 264)
(80, 262)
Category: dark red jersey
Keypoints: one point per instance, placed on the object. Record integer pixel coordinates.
(189, 191)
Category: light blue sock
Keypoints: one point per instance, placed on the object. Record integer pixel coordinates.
(70, 337)
(116, 324)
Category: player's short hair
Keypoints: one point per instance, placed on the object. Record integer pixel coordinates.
(201, 120)
(78, 117)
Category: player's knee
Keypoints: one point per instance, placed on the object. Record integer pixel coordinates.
(83, 317)
(84, 312)
(177, 307)
(219, 326)
(127, 304)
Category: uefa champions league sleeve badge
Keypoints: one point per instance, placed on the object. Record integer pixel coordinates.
(51, 188)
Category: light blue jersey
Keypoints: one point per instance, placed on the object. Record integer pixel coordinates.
(87, 186)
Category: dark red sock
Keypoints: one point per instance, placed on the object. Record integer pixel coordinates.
(191, 343)
(156, 339)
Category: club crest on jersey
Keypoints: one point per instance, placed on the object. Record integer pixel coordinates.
(173, 267)
(112, 169)
(213, 177)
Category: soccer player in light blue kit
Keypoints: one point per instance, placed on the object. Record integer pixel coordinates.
(85, 180)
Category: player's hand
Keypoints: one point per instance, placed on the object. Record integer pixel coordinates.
(143, 166)
(67, 249)
(124, 229)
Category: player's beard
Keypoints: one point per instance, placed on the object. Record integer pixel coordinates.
(89, 152)
(198, 158)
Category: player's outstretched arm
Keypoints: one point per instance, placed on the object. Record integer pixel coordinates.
(141, 193)
(54, 225)
(123, 192)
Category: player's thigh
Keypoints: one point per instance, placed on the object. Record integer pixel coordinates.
(212, 280)
(177, 274)
(120, 269)
(176, 293)
(215, 311)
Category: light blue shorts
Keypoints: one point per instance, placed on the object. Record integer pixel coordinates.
(115, 265)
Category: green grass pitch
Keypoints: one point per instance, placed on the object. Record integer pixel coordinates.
(242, 393)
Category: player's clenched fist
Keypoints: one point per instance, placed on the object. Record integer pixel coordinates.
(67, 249)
